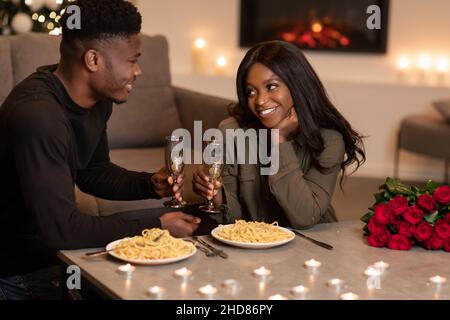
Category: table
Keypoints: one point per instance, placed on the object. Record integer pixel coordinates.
(407, 277)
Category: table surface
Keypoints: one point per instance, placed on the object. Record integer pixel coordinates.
(407, 277)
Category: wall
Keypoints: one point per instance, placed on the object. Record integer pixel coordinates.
(366, 88)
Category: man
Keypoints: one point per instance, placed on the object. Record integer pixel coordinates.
(53, 136)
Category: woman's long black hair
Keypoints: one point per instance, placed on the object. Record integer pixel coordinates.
(314, 109)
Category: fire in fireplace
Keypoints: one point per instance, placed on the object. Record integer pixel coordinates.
(327, 25)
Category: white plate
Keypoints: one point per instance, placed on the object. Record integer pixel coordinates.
(250, 245)
(148, 262)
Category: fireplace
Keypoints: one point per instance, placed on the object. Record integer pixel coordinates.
(325, 25)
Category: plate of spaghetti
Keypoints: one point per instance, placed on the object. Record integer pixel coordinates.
(154, 247)
(253, 235)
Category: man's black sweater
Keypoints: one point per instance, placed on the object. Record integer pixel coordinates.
(47, 145)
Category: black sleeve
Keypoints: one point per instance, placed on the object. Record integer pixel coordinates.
(40, 140)
(105, 180)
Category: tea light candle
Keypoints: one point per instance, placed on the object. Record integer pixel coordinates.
(438, 281)
(277, 297)
(349, 296)
(127, 270)
(208, 291)
(156, 292)
(183, 273)
(372, 272)
(262, 273)
(300, 291)
(231, 285)
(381, 266)
(336, 284)
(313, 264)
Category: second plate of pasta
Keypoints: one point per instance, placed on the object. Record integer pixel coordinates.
(253, 235)
(154, 247)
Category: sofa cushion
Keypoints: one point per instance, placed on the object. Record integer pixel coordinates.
(32, 50)
(150, 113)
(5, 69)
(443, 106)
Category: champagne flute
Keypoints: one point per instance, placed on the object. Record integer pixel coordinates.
(214, 169)
(175, 166)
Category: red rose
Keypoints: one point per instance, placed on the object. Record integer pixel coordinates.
(398, 205)
(399, 242)
(433, 242)
(378, 240)
(395, 223)
(423, 231)
(413, 215)
(407, 229)
(442, 229)
(376, 227)
(426, 202)
(447, 245)
(442, 195)
(383, 213)
(447, 217)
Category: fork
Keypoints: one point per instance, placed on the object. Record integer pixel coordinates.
(216, 251)
(207, 252)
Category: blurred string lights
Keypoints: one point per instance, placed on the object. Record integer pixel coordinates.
(22, 16)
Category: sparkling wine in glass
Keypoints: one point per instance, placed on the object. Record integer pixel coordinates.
(175, 166)
(214, 169)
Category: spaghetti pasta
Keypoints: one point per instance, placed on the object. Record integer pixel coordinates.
(253, 232)
(153, 244)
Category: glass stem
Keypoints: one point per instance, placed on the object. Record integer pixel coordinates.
(211, 202)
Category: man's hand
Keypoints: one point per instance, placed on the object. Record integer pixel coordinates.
(164, 185)
(288, 126)
(179, 224)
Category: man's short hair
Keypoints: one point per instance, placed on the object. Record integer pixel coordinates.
(101, 20)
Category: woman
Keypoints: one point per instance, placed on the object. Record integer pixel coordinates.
(278, 89)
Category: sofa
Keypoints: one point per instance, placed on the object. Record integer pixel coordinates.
(137, 129)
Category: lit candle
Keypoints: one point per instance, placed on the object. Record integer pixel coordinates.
(336, 284)
(127, 270)
(381, 266)
(208, 291)
(349, 296)
(231, 285)
(156, 292)
(372, 272)
(277, 297)
(424, 62)
(374, 279)
(313, 265)
(183, 273)
(442, 65)
(438, 281)
(262, 273)
(199, 61)
(221, 64)
(403, 64)
(300, 291)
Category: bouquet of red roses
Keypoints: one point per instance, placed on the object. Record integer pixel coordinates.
(404, 216)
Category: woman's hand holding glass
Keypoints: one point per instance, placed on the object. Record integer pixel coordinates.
(208, 186)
